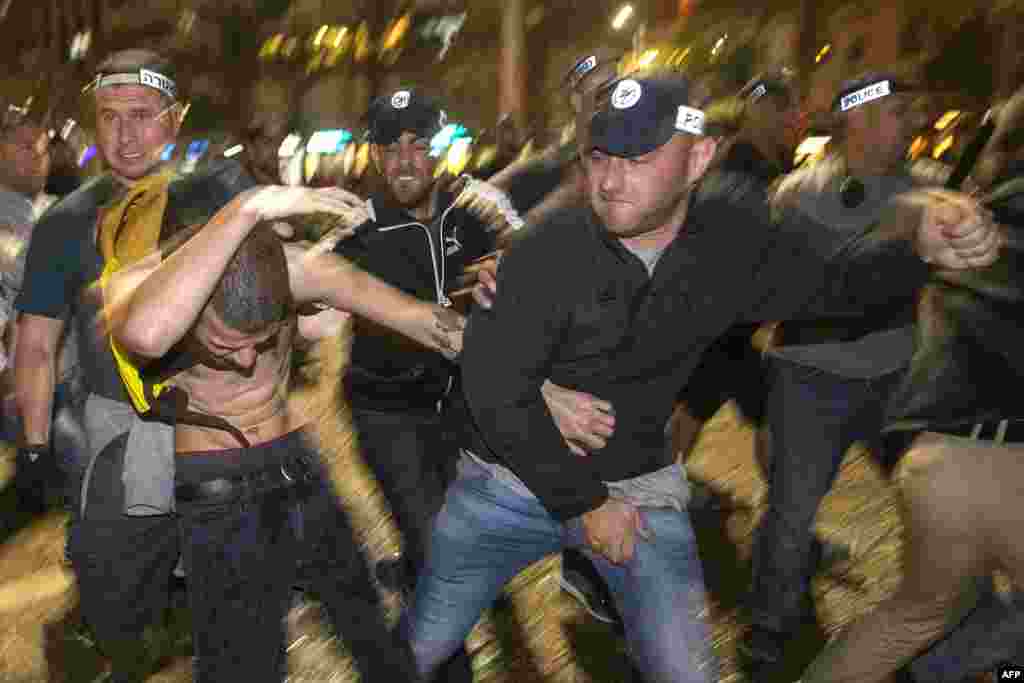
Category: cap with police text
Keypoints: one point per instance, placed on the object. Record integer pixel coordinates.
(638, 115)
(855, 93)
(404, 111)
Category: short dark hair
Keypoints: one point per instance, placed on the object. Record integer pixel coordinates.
(254, 291)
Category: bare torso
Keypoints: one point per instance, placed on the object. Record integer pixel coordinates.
(257, 403)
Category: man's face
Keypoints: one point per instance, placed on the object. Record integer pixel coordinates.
(883, 128)
(262, 144)
(777, 117)
(133, 124)
(636, 195)
(229, 350)
(408, 169)
(25, 159)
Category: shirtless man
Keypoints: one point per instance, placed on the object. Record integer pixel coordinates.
(253, 499)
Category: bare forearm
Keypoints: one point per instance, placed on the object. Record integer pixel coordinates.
(343, 286)
(34, 373)
(165, 305)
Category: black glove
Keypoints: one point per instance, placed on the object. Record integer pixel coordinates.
(33, 464)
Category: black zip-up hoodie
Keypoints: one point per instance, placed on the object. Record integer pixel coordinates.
(388, 371)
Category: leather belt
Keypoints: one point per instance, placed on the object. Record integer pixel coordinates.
(999, 431)
(289, 473)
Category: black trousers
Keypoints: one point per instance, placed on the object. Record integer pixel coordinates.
(244, 555)
(413, 458)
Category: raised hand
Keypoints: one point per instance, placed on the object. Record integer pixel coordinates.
(279, 201)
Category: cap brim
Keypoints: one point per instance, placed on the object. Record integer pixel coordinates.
(615, 134)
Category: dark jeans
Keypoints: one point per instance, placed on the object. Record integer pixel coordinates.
(413, 458)
(814, 417)
(245, 554)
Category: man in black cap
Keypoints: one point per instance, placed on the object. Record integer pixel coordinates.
(619, 299)
(418, 241)
(830, 379)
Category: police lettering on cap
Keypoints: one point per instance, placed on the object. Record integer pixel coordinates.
(870, 88)
(690, 120)
(864, 95)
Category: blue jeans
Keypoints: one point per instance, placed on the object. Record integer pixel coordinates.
(814, 417)
(487, 532)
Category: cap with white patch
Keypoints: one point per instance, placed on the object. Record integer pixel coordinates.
(870, 88)
(637, 115)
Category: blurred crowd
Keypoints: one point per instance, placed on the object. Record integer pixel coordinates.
(539, 337)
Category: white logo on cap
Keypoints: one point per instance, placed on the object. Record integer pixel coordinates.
(400, 100)
(627, 93)
(690, 120)
(864, 95)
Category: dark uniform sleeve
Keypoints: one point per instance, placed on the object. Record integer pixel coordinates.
(508, 354)
(804, 272)
(357, 250)
(53, 268)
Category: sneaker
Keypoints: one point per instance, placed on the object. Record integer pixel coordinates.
(394, 574)
(580, 580)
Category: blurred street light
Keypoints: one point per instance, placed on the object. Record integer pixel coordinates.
(622, 16)
(646, 59)
(946, 119)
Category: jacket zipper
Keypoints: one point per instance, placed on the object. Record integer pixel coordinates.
(439, 274)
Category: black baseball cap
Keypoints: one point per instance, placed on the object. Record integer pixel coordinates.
(868, 88)
(402, 111)
(635, 116)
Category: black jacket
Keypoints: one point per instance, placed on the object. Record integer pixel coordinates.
(575, 306)
(968, 363)
(388, 371)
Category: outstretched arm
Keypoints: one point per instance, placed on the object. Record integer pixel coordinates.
(327, 278)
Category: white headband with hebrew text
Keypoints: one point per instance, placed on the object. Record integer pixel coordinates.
(145, 77)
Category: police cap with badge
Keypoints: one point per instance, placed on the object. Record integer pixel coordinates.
(404, 111)
(637, 115)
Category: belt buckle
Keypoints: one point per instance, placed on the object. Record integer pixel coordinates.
(295, 469)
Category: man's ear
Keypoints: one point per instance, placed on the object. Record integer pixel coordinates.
(177, 117)
(701, 154)
(375, 157)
